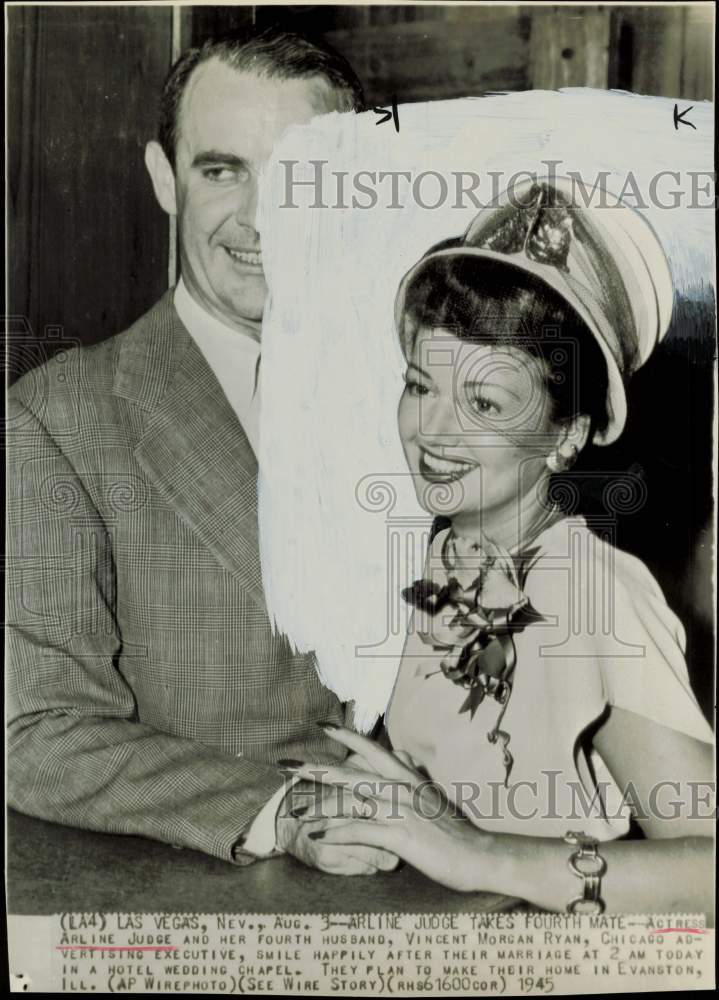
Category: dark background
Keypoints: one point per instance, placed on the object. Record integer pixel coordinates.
(90, 249)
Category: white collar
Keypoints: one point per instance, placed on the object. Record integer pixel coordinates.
(201, 324)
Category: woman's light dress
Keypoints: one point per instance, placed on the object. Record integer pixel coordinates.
(608, 639)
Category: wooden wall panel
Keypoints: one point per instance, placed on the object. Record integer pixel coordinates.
(672, 50)
(569, 47)
(88, 244)
(436, 59)
(425, 51)
(697, 81)
(658, 50)
(210, 20)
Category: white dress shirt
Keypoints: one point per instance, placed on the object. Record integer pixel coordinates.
(232, 355)
(234, 358)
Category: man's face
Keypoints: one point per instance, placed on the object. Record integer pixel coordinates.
(228, 123)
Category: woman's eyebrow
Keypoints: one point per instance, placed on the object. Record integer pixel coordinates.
(482, 383)
(417, 368)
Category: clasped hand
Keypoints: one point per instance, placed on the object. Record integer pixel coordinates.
(375, 808)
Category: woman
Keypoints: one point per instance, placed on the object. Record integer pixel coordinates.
(543, 687)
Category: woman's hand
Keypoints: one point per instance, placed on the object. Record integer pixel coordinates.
(396, 808)
(311, 807)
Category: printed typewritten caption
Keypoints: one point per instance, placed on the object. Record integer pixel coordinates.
(381, 954)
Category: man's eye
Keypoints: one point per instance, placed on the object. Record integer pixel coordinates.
(220, 174)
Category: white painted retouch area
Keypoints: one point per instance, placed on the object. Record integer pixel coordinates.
(341, 529)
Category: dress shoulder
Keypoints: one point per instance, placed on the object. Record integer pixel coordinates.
(611, 610)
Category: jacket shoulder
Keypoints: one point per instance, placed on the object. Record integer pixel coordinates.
(51, 391)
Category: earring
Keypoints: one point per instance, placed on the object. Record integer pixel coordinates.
(558, 461)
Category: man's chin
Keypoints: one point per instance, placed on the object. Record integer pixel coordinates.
(249, 307)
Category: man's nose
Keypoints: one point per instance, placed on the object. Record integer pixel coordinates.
(246, 207)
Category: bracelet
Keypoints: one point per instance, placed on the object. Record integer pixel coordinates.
(587, 864)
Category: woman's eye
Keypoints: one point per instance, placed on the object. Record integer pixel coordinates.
(482, 404)
(415, 388)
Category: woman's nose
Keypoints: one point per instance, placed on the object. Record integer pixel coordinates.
(440, 420)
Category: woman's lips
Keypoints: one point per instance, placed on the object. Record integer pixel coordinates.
(442, 470)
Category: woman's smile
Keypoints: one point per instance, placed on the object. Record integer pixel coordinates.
(442, 470)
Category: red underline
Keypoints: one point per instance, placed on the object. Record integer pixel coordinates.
(117, 947)
(681, 930)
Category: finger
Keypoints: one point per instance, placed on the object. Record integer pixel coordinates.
(379, 857)
(379, 799)
(358, 762)
(397, 809)
(379, 759)
(361, 833)
(357, 791)
(332, 802)
(339, 860)
(347, 777)
(385, 861)
(376, 857)
(347, 866)
(338, 794)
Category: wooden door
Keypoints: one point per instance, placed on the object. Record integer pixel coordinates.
(88, 243)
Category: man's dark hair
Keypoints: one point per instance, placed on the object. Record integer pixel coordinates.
(269, 52)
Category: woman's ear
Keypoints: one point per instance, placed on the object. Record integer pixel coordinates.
(162, 176)
(571, 439)
(575, 433)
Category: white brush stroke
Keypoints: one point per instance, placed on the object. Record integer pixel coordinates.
(331, 364)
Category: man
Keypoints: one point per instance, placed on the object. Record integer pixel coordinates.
(148, 693)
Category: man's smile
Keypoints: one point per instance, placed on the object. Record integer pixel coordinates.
(442, 470)
(251, 258)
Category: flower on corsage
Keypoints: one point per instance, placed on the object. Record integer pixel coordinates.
(472, 619)
(473, 616)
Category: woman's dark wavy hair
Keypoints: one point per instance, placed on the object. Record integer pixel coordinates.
(496, 303)
(270, 52)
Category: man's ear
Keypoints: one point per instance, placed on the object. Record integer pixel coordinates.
(162, 176)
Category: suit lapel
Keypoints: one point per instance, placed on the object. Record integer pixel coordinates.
(193, 447)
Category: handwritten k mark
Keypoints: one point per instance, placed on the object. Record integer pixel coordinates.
(679, 118)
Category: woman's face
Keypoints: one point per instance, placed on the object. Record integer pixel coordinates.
(475, 423)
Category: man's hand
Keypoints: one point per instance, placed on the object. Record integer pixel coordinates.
(395, 807)
(311, 808)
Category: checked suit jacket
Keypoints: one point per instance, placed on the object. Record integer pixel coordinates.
(147, 693)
